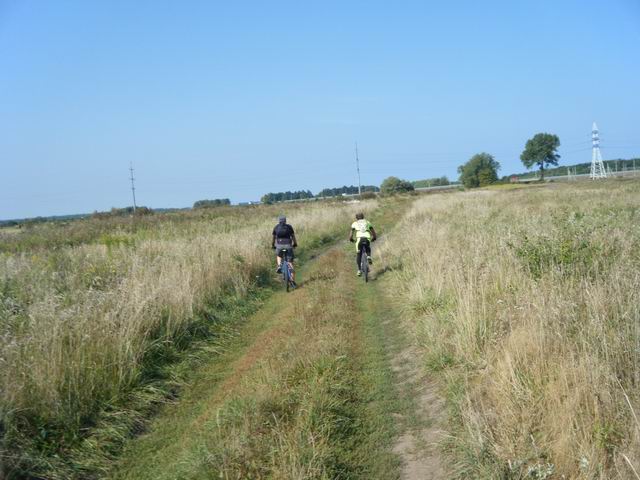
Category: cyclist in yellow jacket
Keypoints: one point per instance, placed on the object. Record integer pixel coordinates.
(364, 235)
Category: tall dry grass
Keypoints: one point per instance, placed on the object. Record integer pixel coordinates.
(528, 302)
(77, 323)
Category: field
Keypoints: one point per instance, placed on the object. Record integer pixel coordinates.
(526, 302)
(162, 346)
(90, 310)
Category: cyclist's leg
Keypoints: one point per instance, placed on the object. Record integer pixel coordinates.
(358, 253)
(292, 271)
(367, 247)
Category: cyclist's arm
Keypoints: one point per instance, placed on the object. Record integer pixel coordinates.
(373, 234)
(351, 234)
(273, 240)
(293, 239)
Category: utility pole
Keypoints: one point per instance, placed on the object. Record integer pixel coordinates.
(133, 187)
(358, 169)
(597, 166)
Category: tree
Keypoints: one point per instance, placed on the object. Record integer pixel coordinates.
(479, 171)
(431, 182)
(350, 190)
(288, 195)
(393, 185)
(541, 150)
(217, 202)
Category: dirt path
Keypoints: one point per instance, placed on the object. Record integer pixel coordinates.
(419, 444)
(174, 441)
(321, 383)
(419, 415)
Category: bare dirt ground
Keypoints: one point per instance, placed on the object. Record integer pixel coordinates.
(418, 446)
(424, 426)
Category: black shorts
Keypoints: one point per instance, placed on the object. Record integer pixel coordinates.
(363, 242)
(282, 249)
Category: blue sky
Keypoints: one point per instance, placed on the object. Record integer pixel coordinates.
(236, 99)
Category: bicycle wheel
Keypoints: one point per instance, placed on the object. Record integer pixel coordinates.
(285, 273)
(364, 265)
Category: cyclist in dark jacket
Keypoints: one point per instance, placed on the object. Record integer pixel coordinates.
(284, 238)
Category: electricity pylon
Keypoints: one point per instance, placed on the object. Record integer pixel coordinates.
(597, 166)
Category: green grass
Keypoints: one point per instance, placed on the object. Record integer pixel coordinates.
(280, 390)
(168, 369)
(316, 401)
(81, 434)
(306, 391)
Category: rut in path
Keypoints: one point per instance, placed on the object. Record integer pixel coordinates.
(421, 422)
(419, 446)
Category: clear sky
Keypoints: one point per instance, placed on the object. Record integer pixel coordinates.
(235, 99)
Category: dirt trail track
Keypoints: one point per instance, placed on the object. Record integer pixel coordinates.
(419, 446)
(401, 434)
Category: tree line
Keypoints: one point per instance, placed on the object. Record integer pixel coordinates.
(346, 190)
(288, 195)
(216, 202)
(326, 192)
(432, 182)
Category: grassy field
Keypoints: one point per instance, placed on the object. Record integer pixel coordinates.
(90, 310)
(286, 404)
(304, 391)
(157, 348)
(526, 302)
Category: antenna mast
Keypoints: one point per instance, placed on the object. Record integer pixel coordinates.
(133, 187)
(358, 169)
(597, 166)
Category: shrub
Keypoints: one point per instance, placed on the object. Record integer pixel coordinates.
(367, 195)
(479, 171)
(393, 185)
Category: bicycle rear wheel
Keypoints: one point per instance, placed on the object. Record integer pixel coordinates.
(364, 265)
(286, 275)
(287, 271)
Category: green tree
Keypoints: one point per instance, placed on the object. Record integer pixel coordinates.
(392, 185)
(432, 182)
(217, 202)
(541, 150)
(288, 195)
(479, 171)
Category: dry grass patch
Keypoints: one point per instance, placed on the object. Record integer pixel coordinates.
(80, 326)
(528, 300)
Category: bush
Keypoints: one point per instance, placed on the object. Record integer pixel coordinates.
(393, 185)
(212, 203)
(481, 170)
(432, 182)
(367, 195)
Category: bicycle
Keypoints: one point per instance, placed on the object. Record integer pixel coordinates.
(364, 259)
(287, 269)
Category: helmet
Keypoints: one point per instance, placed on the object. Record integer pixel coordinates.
(359, 216)
(282, 219)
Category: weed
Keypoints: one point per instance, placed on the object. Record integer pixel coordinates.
(539, 338)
